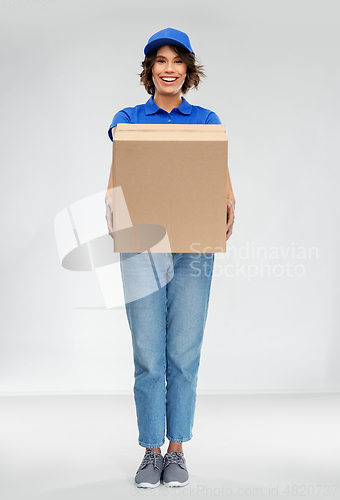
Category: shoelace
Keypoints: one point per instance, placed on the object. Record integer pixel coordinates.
(149, 458)
(174, 457)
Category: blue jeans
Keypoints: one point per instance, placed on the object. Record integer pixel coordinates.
(166, 302)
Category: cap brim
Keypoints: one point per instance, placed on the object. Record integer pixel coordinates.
(164, 41)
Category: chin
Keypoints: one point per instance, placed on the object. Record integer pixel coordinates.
(174, 91)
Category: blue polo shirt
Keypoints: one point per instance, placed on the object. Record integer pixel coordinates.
(151, 113)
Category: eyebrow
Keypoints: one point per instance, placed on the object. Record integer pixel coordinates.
(174, 57)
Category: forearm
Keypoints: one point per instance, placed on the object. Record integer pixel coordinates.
(109, 192)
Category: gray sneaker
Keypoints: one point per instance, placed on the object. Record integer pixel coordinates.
(150, 470)
(175, 471)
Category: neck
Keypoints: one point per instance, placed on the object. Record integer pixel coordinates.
(167, 102)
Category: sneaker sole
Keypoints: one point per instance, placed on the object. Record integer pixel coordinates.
(176, 483)
(147, 485)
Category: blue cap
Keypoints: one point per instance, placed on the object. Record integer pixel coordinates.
(168, 36)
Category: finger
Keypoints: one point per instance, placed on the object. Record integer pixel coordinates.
(230, 207)
(230, 210)
(229, 231)
(230, 222)
(228, 234)
(230, 217)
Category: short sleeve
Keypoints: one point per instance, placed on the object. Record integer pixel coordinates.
(120, 117)
(213, 118)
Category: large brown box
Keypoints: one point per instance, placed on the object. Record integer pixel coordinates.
(172, 188)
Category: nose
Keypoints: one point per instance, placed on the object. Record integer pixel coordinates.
(169, 68)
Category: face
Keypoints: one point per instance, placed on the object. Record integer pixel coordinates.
(168, 71)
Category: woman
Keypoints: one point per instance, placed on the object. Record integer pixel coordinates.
(166, 325)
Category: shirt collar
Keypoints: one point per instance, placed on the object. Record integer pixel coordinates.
(152, 108)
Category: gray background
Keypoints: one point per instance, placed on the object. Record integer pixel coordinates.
(273, 78)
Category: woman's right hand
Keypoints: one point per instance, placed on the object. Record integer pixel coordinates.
(109, 214)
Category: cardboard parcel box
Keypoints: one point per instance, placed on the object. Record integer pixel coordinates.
(170, 188)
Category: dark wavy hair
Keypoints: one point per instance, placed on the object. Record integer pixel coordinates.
(194, 69)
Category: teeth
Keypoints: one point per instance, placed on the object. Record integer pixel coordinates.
(169, 79)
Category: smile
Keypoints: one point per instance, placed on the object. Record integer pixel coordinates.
(169, 79)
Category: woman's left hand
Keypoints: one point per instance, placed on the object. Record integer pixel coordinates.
(230, 218)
